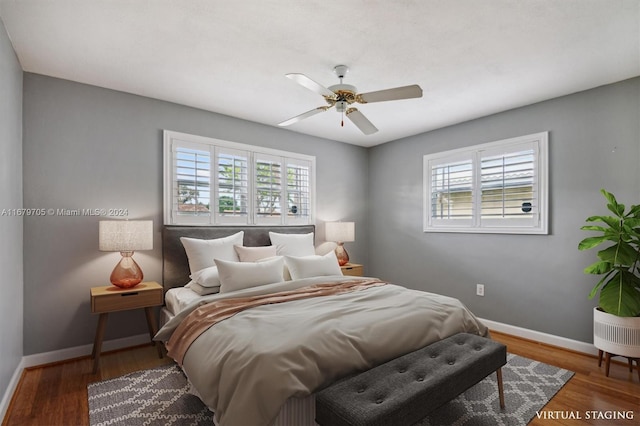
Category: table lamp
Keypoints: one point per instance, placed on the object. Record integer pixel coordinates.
(126, 236)
(340, 233)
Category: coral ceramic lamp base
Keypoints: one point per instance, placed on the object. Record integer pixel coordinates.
(341, 254)
(127, 273)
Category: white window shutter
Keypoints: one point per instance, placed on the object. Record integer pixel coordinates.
(451, 188)
(268, 192)
(298, 192)
(232, 196)
(191, 184)
(509, 194)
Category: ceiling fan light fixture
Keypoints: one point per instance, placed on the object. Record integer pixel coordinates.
(341, 106)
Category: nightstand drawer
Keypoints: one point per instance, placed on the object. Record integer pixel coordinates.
(352, 269)
(111, 299)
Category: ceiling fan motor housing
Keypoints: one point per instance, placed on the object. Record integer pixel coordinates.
(345, 94)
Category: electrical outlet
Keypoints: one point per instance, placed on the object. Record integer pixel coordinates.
(480, 289)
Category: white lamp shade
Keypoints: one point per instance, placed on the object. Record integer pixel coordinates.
(341, 232)
(125, 235)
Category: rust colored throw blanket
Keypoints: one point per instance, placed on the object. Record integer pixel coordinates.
(208, 315)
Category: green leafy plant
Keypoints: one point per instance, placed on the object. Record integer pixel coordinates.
(619, 263)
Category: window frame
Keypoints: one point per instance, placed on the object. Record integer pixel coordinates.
(173, 140)
(539, 223)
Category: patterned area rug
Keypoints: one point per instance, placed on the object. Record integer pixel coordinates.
(528, 386)
(158, 396)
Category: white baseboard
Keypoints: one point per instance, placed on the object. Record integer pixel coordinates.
(8, 393)
(84, 350)
(538, 336)
(62, 355)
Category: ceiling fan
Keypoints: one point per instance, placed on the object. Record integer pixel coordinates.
(343, 95)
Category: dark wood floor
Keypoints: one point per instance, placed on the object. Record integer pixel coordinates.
(57, 394)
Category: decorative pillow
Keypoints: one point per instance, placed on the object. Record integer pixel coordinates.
(313, 266)
(202, 252)
(207, 277)
(253, 254)
(285, 271)
(293, 244)
(239, 275)
(201, 290)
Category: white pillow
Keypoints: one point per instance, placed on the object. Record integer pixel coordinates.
(239, 275)
(313, 266)
(293, 244)
(201, 290)
(285, 271)
(253, 254)
(202, 252)
(207, 277)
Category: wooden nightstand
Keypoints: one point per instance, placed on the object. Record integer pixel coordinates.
(352, 269)
(109, 298)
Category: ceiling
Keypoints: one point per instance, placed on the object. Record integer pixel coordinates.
(472, 58)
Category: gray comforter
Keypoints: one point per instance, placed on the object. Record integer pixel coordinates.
(247, 366)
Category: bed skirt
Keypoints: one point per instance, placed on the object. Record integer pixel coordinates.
(298, 411)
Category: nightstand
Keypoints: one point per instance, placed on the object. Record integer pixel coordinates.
(109, 298)
(352, 269)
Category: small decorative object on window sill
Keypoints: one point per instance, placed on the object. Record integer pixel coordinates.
(340, 233)
(126, 237)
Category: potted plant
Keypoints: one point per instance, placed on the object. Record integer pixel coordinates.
(617, 317)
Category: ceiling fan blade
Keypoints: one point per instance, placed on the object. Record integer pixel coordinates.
(304, 115)
(305, 81)
(405, 92)
(361, 121)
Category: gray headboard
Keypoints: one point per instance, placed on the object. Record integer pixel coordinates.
(175, 265)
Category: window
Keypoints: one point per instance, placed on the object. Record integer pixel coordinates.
(498, 187)
(213, 182)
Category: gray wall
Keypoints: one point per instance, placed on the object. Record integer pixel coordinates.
(530, 281)
(10, 198)
(87, 147)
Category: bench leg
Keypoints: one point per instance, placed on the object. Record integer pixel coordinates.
(500, 388)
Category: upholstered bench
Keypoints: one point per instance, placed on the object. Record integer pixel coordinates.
(405, 390)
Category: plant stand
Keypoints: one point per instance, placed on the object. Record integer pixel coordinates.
(607, 361)
(616, 336)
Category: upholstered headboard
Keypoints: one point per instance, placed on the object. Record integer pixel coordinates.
(175, 265)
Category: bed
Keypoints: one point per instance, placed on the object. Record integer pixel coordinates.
(256, 354)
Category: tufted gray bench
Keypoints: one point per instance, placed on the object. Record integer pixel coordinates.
(405, 390)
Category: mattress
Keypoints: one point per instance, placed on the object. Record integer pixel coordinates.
(178, 298)
(175, 300)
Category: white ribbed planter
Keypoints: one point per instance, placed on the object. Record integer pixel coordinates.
(616, 335)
